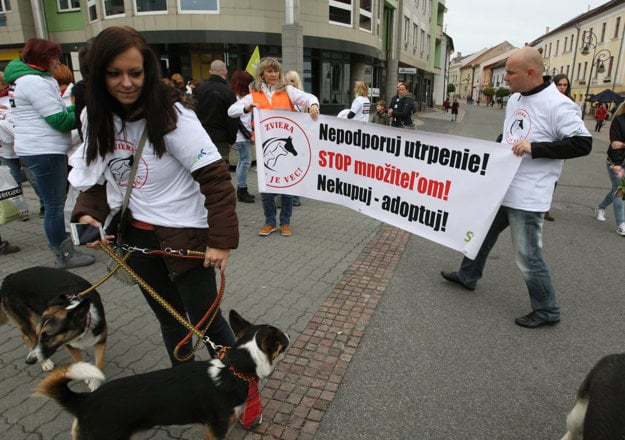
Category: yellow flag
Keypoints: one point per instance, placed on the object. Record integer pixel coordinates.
(253, 62)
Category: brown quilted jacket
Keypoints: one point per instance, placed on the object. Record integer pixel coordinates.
(220, 202)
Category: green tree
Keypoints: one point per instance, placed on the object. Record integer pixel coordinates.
(502, 92)
(488, 91)
(451, 88)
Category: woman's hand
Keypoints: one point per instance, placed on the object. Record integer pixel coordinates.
(93, 222)
(314, 111)
(216, 258)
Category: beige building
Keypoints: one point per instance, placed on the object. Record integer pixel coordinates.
(332, 43)
(589, 50)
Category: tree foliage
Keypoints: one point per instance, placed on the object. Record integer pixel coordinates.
(502, 92)
(488, 91)
(451, 88)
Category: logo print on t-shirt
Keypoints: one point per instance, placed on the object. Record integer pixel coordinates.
(519, 128)
(120, 166)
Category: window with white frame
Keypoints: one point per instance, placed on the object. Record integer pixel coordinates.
(150, 6)
(113, 8)
(415, 33)
(68, 5)
(341, 12)
(422, 41)
(365, 15)
(92, 11)
(406, 30)
(5, 5)
(198, 6)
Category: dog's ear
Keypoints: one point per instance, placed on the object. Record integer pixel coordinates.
(274, 342)
(238, 324)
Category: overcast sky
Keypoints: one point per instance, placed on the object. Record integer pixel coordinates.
(479, 24)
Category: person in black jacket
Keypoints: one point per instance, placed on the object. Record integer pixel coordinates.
(213, 98)
(401, 112)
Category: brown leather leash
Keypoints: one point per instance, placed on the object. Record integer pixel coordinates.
(197, 329)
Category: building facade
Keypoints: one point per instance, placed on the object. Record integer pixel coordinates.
(332, 43)
(589, 50)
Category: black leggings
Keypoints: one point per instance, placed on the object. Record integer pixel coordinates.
(190, 294)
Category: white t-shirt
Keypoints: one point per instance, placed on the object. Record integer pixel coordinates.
(37, 97)
(164, 192)
(546, 116)
(360, 107)
(7, 130)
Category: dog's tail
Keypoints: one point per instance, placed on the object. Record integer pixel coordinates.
(54, 386)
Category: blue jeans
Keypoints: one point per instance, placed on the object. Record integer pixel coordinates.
(243, 165)
(269, 208)
(526, 230)
(617, 202)
(50, 172)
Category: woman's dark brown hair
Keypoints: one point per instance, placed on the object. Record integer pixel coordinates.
(155, 104)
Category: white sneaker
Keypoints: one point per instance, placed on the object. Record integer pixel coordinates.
(621, 229)
(600, 214)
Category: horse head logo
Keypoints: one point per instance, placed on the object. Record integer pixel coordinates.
(275, 148)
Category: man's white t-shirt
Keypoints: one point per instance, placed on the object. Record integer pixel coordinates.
(545, 116)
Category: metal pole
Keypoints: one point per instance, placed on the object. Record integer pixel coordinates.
(588, 85)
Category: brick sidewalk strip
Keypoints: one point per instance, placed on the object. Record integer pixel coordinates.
(300, 390)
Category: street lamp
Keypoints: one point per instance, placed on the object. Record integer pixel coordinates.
(598, 58)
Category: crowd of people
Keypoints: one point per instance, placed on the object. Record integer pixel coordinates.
(161, 190)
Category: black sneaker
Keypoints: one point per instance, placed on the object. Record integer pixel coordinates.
(534, 320)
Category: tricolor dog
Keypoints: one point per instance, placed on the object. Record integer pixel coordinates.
(211, 393)
(599, 412)
(43, 304)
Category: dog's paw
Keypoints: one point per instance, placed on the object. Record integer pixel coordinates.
(93, 384)
(47, 365)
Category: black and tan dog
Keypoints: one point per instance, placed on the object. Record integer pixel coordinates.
(211, 393)
(599, 412)
(42, 303)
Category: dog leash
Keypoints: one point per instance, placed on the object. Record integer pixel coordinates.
(211, 312)
(102, 281)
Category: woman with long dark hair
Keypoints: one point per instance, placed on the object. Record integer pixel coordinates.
(181, 197)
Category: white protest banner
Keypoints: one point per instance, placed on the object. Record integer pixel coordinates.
(441, 187)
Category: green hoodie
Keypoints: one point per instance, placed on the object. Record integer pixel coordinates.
(62, 121)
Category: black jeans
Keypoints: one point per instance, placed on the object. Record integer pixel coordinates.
(190, 294)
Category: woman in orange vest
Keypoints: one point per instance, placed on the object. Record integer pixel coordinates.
(270, 91)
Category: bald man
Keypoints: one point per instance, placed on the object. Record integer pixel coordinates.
(543, 127)
(213, 98)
